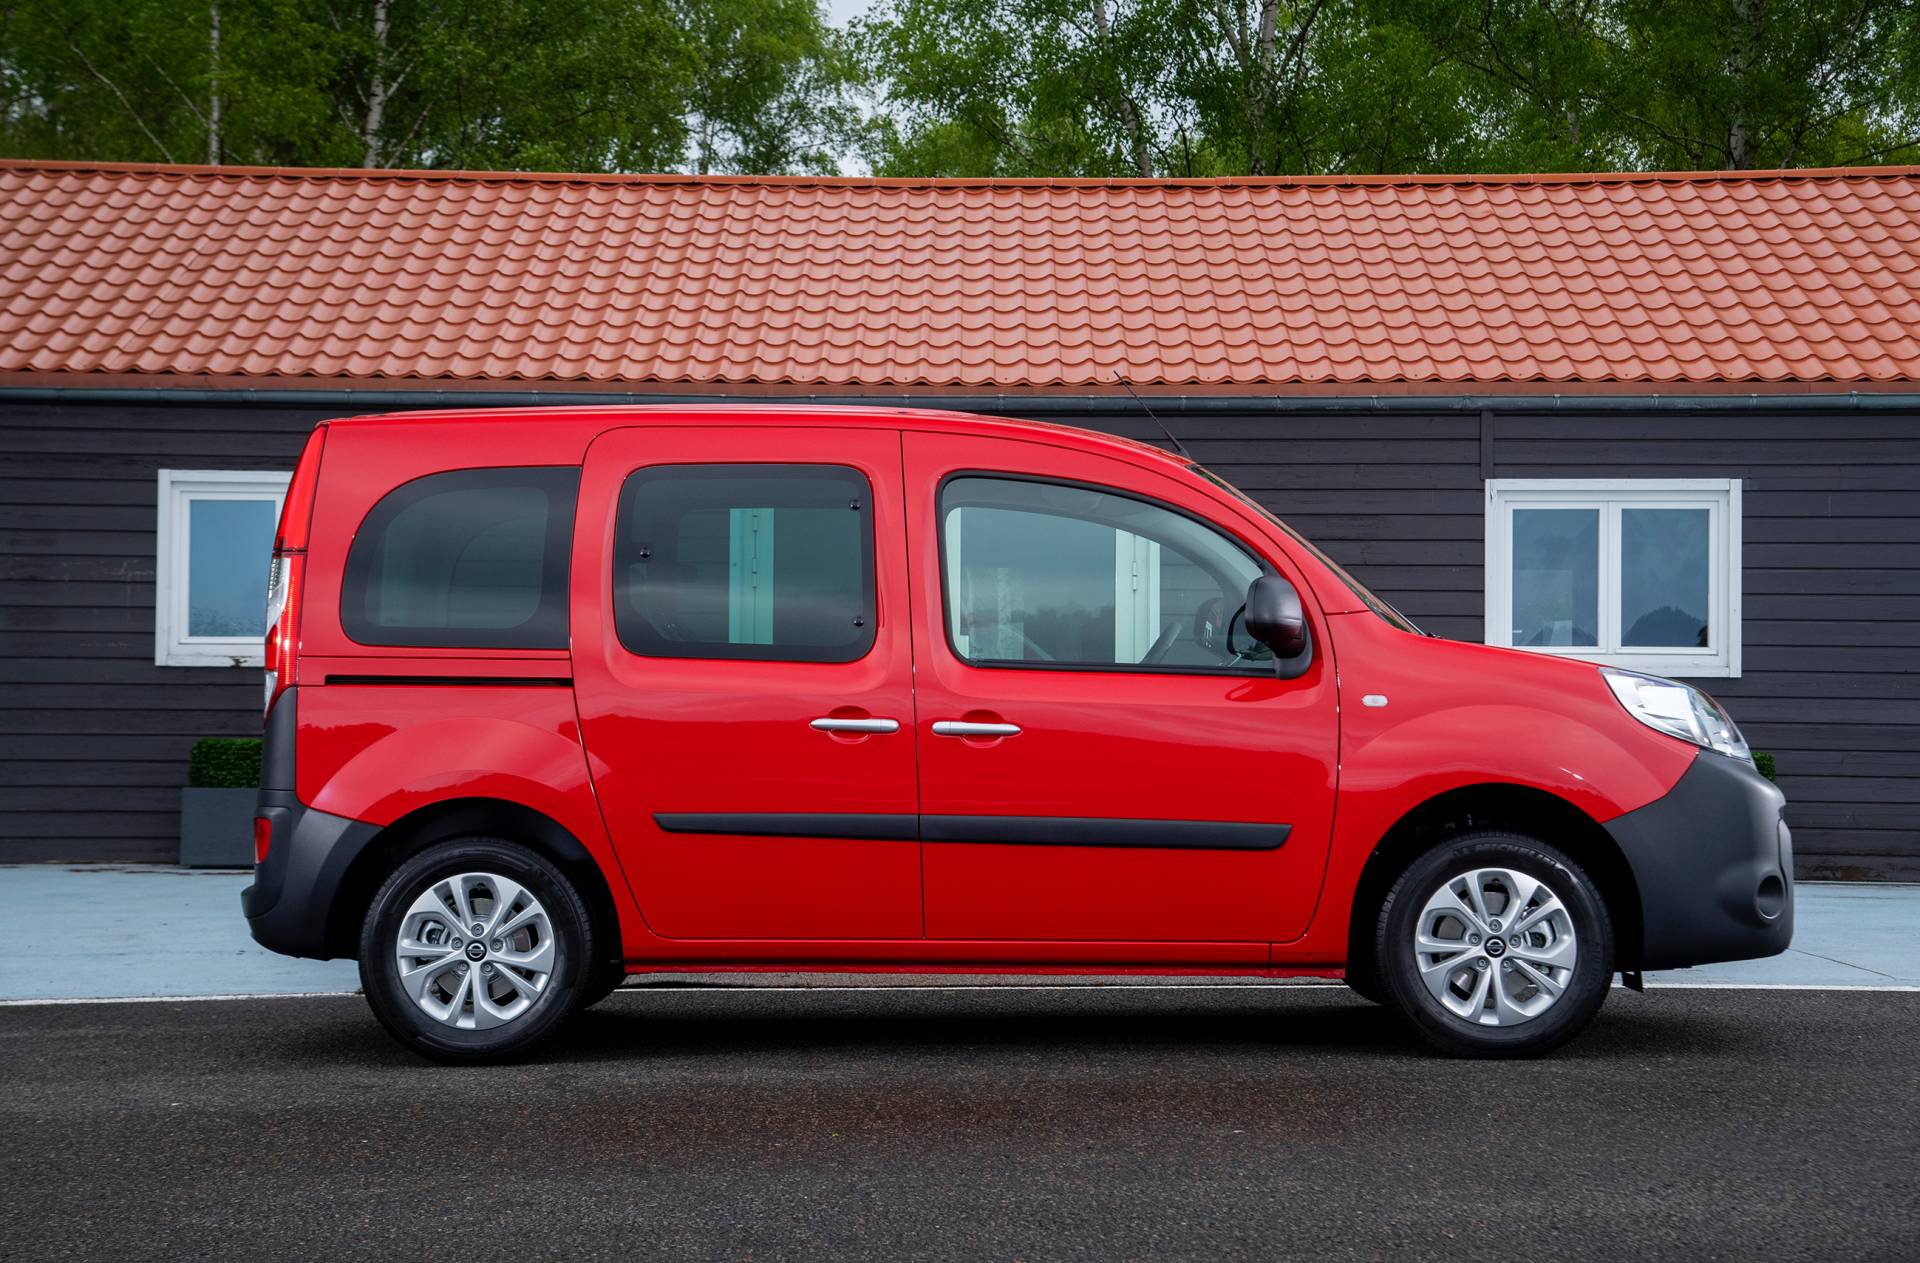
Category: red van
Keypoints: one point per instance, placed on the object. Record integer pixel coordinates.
(555, 696)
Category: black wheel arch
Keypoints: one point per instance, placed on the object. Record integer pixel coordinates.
(1495, 806)
(462, 817)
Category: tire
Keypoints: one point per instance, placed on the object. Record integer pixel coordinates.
(532, 977)
(1525, 999)
(605, 981)
(1363, 982)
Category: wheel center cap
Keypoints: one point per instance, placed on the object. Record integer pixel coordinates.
(1495, 947)
(476, 950)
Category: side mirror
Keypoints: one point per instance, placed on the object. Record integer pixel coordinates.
(1276, 619)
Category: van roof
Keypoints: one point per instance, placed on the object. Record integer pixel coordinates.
(931, 419)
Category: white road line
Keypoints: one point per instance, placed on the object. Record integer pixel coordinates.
(1782, 986)
(170, 999)
(722, 988)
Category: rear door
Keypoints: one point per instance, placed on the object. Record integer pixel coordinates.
(745, 679)
(1105, 757)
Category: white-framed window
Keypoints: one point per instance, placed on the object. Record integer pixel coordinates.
(211, 553)
(1641, 573)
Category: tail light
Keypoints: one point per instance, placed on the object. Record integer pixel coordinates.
(296, 513)
(284, 586)
(283, 623)
(262, 838)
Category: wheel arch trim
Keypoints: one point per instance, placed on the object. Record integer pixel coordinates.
(468, 817)
(1497, 805)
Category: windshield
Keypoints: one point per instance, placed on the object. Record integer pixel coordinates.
(1359, 589)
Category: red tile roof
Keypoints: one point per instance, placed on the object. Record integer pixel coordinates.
(179, 273)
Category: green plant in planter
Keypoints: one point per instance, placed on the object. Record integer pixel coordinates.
(224, 763)
(1763, 763)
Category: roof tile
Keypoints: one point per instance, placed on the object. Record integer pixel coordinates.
(1469, 281)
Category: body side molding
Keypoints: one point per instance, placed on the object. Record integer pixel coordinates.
(1189, 835)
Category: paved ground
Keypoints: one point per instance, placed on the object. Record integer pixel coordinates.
(1104, 1124)
(152, 931)
(141, 930)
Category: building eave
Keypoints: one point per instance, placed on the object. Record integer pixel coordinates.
(360, 396)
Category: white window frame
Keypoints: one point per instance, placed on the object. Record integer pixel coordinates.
(1719, 496)
(178, 488)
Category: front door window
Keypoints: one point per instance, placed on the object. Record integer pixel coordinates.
(1052, 574)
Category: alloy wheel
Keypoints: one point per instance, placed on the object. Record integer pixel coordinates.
(1495, 946)
(475, 951)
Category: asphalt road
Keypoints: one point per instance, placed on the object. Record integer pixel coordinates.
(1106, 1124)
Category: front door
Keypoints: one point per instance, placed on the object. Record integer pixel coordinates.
(745, 679)
(1104, 756)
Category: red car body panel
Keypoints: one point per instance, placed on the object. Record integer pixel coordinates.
(1112, 744)
(1458, 715)
(692, 735)
(636, 735)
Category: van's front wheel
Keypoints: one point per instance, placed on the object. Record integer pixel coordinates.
(474, 950)
(1495, 945)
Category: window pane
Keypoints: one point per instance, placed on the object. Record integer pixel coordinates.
(230, 544)
(476, 558)
(1556, 577)
(772, 562)
(1043, 573)
(1663, 578)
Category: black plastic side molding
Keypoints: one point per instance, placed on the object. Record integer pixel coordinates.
(791, 824)
(1187, 835)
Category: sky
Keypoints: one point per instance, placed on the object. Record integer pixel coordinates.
(838, 11)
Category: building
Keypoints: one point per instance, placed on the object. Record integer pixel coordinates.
(1666, 420)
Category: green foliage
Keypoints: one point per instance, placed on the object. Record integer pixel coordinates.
(967, 87)
(1222, 87)
(224, 763)
(574, 85)
(1763, 763)
(768, 86)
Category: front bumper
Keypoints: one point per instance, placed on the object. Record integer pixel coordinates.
(1714, 863)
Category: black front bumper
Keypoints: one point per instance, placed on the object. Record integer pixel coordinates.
(1714, 864)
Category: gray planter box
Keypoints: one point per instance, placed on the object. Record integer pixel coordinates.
(216, 828)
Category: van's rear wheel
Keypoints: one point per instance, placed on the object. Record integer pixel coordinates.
(474, 950)
(1495, 945)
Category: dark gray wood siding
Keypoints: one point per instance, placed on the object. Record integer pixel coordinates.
(94, 737)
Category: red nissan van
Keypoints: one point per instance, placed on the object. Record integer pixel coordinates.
(557, 696)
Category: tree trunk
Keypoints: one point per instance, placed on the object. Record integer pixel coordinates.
(213, 89)
(1130, 118)
(378, 90)
(1260, 86)
(1740, 67)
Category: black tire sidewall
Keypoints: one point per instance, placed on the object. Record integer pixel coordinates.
(1593, 928)
(606, 980)
(379, 972)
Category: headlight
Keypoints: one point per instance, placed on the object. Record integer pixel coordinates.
(1679, 710)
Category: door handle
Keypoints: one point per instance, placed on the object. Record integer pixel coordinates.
(965, 728)
(855, 725)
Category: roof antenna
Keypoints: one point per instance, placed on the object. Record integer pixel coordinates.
(1178, 446)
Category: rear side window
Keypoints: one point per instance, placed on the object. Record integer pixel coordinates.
(471, 559)
(769, 562)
